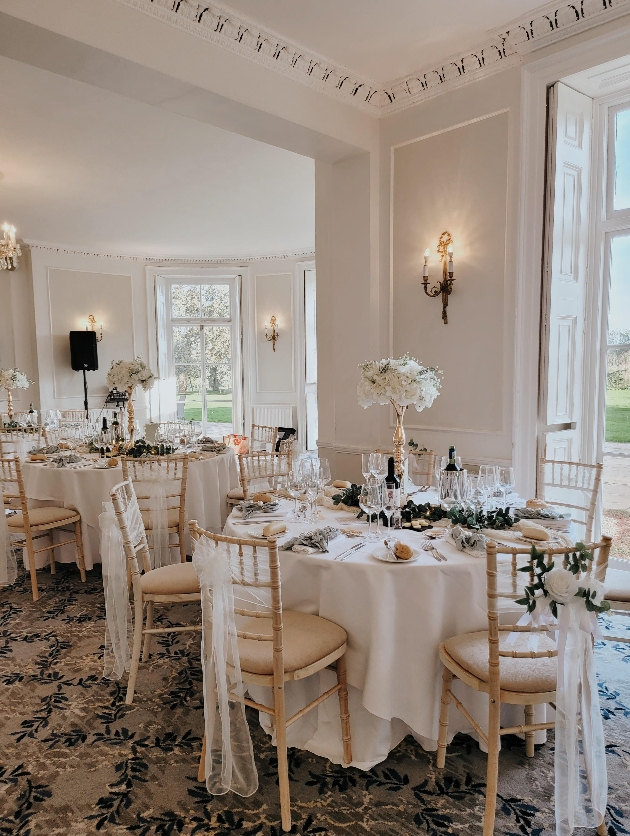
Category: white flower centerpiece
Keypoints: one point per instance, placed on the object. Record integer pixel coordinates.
(401, 383)
(125, 375)
(12, 379)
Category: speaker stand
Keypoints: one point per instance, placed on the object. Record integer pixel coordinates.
(85, 396)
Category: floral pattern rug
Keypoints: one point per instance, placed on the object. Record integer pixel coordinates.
(74, 760)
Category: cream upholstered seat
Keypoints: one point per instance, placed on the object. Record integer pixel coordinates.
(277, 646)
(236, 494)
(305, 639)
(32, 524)
(509, 672)
(176, 583)
(618, 596)
(536, 675)
(172, 518)
(176, 579)
(48, 516)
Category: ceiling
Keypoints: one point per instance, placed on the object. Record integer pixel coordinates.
(383, 39)
(86, 168)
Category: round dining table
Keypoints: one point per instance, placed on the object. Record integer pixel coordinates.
(396, 615)
(86, 488)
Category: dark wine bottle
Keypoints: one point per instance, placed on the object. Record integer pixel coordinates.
(391, 478)
(104, 428)
(452, 463)
(115, 428)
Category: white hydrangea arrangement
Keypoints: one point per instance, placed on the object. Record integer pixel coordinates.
(127, 374)
(13, 379)
(401, 382)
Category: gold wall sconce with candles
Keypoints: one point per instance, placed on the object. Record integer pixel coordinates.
(445, 287)
(272, 331)
(9, 249)
(91, 325)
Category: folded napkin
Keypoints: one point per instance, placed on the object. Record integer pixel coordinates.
(312, 541)
(66, 459)
(46, 451)
(465, 539)
(540, 514)
(248, 508)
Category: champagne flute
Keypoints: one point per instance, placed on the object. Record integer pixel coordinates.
(366, 506)
(365, 466)
(389, 502)
(375, 504)
(506, 480)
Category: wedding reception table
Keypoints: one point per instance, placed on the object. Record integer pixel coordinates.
(86, 488)
(396, 615)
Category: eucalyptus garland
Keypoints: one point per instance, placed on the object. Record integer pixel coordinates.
(497, 520)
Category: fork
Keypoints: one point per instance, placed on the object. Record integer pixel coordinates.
(348, 552)
(435, 554)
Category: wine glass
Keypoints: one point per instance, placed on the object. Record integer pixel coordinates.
(293, 485)
(378, 466)
(324, 474)
(365, 466)
(506, 480)
(375, 499)
(365, 505)
(488, 472)
(476, 495)
(389, 502)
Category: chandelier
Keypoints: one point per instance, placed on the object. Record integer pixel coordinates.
(9, 249)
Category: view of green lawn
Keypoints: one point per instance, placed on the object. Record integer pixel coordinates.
(219, 407)
(618, 415)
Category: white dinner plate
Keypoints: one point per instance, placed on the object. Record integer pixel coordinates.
(381, 553)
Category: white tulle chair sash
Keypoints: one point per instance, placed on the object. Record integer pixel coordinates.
(8, 562)
(229, 762)
(118, 613)
(155, 484)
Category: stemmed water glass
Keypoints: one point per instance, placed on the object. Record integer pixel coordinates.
(293, 484)
(506, 481)
(488, 472)
(370, 502)
(389, 503)
(378, 466)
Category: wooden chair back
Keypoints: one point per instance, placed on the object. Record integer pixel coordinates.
(72, 416)
(262, 469)
(174, 469)
(123, 498)
(421, 467)
(255, 565)
(263, 438)
(519, 556)
(571, 485)
(12, 486)
(11, 439)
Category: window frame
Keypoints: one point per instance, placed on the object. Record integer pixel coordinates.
(609, 160)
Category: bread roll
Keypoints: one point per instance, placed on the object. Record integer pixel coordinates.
(533, 531)
(113, 462)
(263, 496)
(272, 529)
(38, 457)
(536, 504)
(341, 483)
(402, 551)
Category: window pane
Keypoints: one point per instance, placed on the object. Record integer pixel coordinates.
(186, 300)
(619, 307)
(215, 300)
(219, 374)
(187, 344)
(621, 198)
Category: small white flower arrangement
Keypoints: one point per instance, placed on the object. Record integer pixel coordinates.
(13, 379)
(127, 374)
(402, 382)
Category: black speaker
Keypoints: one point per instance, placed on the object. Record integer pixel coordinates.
(83, 353)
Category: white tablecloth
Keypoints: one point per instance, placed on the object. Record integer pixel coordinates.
(85, 490)
(395, 615)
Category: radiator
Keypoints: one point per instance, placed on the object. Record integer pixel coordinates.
(270, 415)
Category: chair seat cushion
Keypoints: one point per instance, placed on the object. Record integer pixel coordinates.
(617, 585)
(173, 518)
(176, 579)
(42, 516)
(531, 676)
(235, 493)
(306, 639)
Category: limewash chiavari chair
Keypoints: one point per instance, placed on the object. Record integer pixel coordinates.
(514, 676)
(31, 524)
(278, 646)
(263, 438)
(174, 469)
(262, 469)
(12, 439)
(72, 416)
(174, 584)
(571, 485)
(421, 467)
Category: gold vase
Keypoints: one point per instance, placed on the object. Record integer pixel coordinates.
(399, 440)
(10, 405)
(131, 423)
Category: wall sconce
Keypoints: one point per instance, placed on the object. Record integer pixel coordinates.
(9, 249)
(271, 331)
(90, 325)
(445, 287)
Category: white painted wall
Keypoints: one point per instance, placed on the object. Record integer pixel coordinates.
(56, 289)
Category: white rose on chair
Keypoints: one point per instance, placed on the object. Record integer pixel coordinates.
(561, 585)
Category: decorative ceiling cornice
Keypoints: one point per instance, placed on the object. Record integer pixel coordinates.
(172, 261)
(501, 49)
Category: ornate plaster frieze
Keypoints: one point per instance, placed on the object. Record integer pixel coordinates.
(499, 50)
(171, 261)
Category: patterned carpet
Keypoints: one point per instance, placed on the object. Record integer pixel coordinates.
(74, 760)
